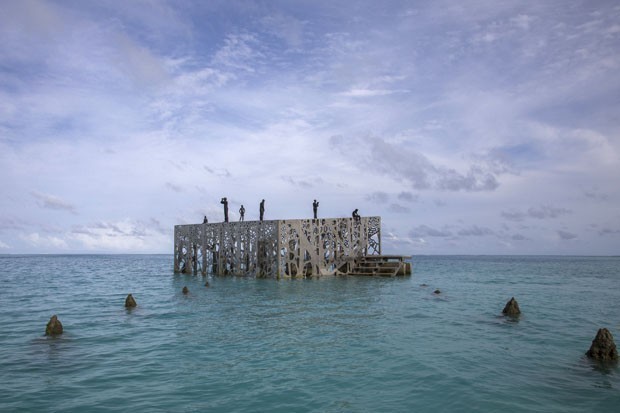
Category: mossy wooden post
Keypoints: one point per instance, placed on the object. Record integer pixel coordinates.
(603, 347)
(130, 302)
(53, 327)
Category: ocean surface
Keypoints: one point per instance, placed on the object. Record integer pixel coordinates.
(334, 344)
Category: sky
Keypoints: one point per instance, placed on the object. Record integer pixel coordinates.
(470, 127)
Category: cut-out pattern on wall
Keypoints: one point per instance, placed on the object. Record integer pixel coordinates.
(286, 248)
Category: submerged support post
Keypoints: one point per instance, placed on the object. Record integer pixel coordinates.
(194, 258)
(279, 263)
(220, 257)
(176, 246)
(203, 248)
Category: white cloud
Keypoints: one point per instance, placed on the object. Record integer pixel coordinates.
(399, 209)
(378, 197)
(53, 202)
(368, 92)
(500, 119)
(475, 231)
(522, 21)
(122, 236)
(422, 231)
(565, 235)
(139, 63)
(239, 52)
(536, 212)
(286, 27)
(413, 167)
(174, 187)
(407, 196)
(45, 243)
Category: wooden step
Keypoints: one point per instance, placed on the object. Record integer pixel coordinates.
(381, 265)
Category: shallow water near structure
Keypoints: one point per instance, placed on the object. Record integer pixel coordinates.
(334, 344)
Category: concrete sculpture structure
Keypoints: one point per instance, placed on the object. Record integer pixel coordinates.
(285, 248)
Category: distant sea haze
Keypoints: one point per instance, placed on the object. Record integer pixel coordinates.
(331, 344)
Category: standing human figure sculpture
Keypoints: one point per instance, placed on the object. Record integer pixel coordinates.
(355, 215)
(315, 207)
(262, 209)
(225, 202)
(205, 221)
(241, 214)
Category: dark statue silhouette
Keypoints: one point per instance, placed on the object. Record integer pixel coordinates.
(225, 202)
(315, 207)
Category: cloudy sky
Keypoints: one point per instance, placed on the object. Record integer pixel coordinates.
(470, 127)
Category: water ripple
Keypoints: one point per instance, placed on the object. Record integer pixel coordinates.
(333, 344)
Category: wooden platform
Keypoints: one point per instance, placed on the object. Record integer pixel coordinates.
(381, 265)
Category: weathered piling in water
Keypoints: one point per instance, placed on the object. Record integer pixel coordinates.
(511, 308)
(130, 302)
(603, 347)
(53, 327)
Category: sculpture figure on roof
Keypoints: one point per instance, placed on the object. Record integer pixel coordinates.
(225, 202)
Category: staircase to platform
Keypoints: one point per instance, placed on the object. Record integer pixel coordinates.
(381, 265)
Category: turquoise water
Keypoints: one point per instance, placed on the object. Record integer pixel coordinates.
(321, 345)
